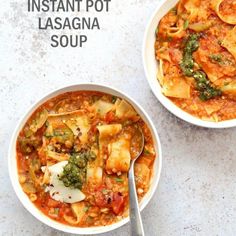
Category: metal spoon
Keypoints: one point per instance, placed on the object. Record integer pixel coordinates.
(136, 225)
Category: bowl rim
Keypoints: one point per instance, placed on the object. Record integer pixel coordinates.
(155, 86)
(12, 170)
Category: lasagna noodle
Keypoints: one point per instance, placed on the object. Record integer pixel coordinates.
(163, 53)
(229, 42)
(39, 121)
(106, 132)
(173, 87)
(119, 155)
(79, 126)
(103, 107)
(94, 174)
(160, 74)
(176, 87)
(78, 211)
(176, 32)
(142, 172)
(191, 6)
(230, 19)
(124, 110)
(76, 121)
(229, 88)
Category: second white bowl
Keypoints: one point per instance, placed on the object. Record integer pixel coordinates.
(151, 69)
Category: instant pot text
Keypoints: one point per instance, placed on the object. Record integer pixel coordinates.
(67, 30)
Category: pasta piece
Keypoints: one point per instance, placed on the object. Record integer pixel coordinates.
(46, 176)
(210, 109)
(94, 171)
(124, 110)
(176, 32)
(78, 210)
(106, 131)
(39, 121)
(200, 26)
(77, 121)
(160, 74)
(119, 155)
(147, 160)
(142, 174)
(28, 187)
(105, 134)
(191, 6)
(163, 54)
(94, 175)
(229, 88)
(176, 87)
(230, 19)
(57, 130)
(79, 125)
(103, 107)
(229, 41)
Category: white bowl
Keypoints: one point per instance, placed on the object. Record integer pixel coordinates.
(150, 67)
(12, 164)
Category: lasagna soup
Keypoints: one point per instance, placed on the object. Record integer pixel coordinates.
(196, 53)
(73, 157)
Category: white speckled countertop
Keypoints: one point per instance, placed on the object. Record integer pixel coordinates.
(197, 190)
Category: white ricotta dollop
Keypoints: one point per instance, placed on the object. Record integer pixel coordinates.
(58, 190)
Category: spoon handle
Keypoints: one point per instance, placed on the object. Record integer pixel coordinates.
(136, 225)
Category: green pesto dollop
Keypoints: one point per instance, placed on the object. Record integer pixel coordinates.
(203, 85)
(187, 63)
(74, 173)
(206, 91)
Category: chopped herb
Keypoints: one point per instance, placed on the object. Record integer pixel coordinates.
(186, 23)
(119, 180)
(113, 100)
(146, 152)
(216, 57)
(86, 208)
(104, 191)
